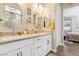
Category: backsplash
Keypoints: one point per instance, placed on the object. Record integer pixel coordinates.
(4, 28)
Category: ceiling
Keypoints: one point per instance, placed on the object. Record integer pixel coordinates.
(69, 5)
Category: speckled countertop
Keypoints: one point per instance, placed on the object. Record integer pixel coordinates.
(9, 39)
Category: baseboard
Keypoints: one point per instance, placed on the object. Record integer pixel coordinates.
(54, 50)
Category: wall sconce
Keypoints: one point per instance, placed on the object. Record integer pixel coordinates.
(38, 8)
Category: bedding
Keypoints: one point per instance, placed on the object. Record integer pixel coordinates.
(73, 36)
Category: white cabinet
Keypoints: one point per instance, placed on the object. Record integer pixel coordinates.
(20, 48)
(23, 51)
(47, 44)
(42, 45)
(27, 50)
(38, 46)
(38, 49)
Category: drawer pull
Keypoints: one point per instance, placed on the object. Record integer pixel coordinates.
(17, 54)
(38, 47)
(47, 42)
(37, 39)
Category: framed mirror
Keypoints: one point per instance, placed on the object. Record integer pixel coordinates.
(13, 13)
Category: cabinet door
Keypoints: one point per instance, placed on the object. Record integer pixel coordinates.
(27, 50)
(38, 46)
(13, 53)
(47, 44)
(38, 51)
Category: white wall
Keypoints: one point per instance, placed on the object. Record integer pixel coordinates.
(71, 11)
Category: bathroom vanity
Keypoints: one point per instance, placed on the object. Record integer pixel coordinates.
(26, 45)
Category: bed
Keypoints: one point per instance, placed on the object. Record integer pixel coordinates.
(73, 36)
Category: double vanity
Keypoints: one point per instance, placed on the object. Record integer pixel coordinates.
(25, 29)
(26, 45)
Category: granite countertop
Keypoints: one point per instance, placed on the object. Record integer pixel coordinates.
(9, 39)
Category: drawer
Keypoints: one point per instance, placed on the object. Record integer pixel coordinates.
(37, 45)
(38, 39)
(38, 53)
(14, 45)
(38, 49)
